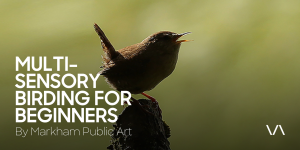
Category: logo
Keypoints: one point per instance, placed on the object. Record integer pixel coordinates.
(275, 130)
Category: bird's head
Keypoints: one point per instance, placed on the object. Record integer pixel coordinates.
(165, 40)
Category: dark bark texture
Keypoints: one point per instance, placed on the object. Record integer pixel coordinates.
(145, 129)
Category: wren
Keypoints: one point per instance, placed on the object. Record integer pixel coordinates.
(140, 67)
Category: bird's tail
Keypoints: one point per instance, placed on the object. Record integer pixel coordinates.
(108, 49)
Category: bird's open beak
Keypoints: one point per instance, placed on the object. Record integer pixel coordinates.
(180, 35)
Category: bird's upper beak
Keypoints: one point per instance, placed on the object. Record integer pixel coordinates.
(177, 36)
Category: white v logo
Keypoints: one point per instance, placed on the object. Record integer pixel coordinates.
(275, 130)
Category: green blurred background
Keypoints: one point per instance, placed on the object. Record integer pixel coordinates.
(239, 74)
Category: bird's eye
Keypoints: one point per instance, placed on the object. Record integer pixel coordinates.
(166, 37)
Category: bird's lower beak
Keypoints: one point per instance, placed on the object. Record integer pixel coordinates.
(180, 35)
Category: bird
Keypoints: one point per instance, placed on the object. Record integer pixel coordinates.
(142, 66)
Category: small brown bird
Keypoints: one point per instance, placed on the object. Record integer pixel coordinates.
(140, 67)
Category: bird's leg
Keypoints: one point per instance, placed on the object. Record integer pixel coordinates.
(153, 101)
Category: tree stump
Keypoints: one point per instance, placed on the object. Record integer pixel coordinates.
(143, 126)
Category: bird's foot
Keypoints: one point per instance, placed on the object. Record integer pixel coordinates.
(137, 103)
(142, 107)
(154, 101)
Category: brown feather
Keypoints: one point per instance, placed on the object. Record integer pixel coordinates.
(109, 50)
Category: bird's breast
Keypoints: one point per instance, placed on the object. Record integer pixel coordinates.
(162, 65)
